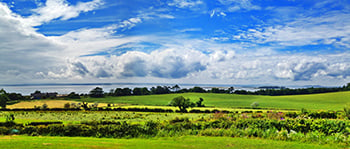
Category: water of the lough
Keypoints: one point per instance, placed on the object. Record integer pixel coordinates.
(82, 88)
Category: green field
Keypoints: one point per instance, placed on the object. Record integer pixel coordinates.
(154, 143)
(326, 101)
(268, 128)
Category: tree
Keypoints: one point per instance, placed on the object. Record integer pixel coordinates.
(122, 92)
(182, 103)
(160, 90)
(231, 89)
(140, 91)
(15, 96)
(197, 89)
(96, 92)
(176, 88)
(73, 95)
(199, 103)
(3, 99)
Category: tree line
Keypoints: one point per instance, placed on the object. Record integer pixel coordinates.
(98, 92)
(298, 91)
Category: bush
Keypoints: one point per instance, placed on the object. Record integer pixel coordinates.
(67, 105)
(44, 106)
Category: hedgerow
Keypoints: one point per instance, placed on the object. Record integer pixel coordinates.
(306, 130)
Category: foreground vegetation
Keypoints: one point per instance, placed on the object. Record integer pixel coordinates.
(161, 143)
(297, 127)
(238, 121)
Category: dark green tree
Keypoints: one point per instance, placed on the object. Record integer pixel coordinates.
(160, 90)
(73, 95)
(122, 92)
(3, 99)
(200, 103)
(96, 92)
(140, 91)
(182, 103)
(176, 88)
(197, 89)
(230, 89)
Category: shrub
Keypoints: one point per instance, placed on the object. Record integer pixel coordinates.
(44, 106)
(10, 117)
(67, 105)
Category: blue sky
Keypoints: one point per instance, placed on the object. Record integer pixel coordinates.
(263, 42)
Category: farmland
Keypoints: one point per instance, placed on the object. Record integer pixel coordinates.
(227, 119)
(326, 101)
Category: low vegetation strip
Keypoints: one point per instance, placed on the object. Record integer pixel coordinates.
(276, 128)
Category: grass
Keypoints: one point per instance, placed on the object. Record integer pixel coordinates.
(78, 116)
(154, 143)
(326, 101)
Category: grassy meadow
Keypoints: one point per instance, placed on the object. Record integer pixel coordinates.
(270, 126)
(325, 101)
(154, 143)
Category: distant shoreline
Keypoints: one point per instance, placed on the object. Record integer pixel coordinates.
(164, 84)
(83, 88)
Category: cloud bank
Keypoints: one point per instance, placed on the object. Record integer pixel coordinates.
(117, 52)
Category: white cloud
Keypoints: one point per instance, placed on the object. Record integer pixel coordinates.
(230, 6)
(185, 3)
(27, 54)
(74, 55)
(60, 9)
(235, 5)
(332, 28)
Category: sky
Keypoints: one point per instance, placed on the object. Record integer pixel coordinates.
(255, 42)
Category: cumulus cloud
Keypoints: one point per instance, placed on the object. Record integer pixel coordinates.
(176, 63)
(23, 49)
(26, 51)
(162, 64)
(299, 71)
(133, 64)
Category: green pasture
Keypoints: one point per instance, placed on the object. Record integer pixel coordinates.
(326, 101)
(192, 142)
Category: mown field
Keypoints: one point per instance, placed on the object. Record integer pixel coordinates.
(326, 101)
(154, 143)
